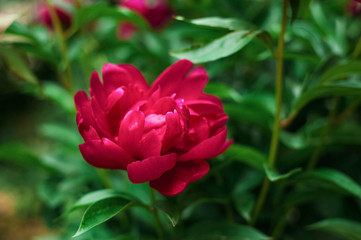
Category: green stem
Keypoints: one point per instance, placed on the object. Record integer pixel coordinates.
(103, 174)
(276, 125)
(67, 81)
(326, 130)
(156, 216)
(357, 50)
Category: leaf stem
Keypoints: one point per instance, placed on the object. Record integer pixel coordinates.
(67, 80)
(276, 124)
(156, 215)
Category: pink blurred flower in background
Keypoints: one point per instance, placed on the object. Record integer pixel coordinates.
(354, 7)
(162, 134)
(62, 10)
(157, 13)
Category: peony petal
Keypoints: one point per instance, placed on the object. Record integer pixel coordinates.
(171, 79)
(163, 105)
(130, 132)
(83, 105)
(136, 76)
(100, 120)
(150, 145)
(90, 134)
(208, 148)
(115, 76)
(204, 107)
(174, 131)
(193, 84)
(114, 97)
(177, 179)
(151, 168)
(96, 89)
(105, 154)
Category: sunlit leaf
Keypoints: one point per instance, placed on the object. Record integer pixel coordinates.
(218, 22)
(219, 48)
(102, 211)
(344, 228)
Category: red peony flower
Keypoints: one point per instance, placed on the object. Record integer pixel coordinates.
(162, 134)
(354, 7)
(65, 17)
(156, 12)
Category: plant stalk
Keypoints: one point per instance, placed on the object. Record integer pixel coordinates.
(156, 215)
(276, 125)
(67, 80)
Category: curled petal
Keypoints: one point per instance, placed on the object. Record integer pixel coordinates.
(171, 79)
(174, 131)
(115, 76)
(193, 84)
(105, 154)
(96, 89)
(208, 148)
(130, 131)
(114, 97)
(177, 179)
(151, 168)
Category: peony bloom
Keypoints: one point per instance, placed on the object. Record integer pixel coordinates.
(65, 17)
(156, 12)
(162, 134)
(354, 7)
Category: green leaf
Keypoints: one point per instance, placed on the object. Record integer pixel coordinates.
(223, 230)
(219, 48)
(327, 90)
(19, 153)
(170, 210)
(92, 197)
(19, 29)
(341, 227)
(274, 176)
(62, 133)
(94, 11)
(340, 71)
(246, 154)
(223, 91)
(60, 96)
(244, 202)
(102, 211)
(17, 64)
(332, 179)
(217, 22)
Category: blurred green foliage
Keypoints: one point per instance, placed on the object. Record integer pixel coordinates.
(236, 43)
